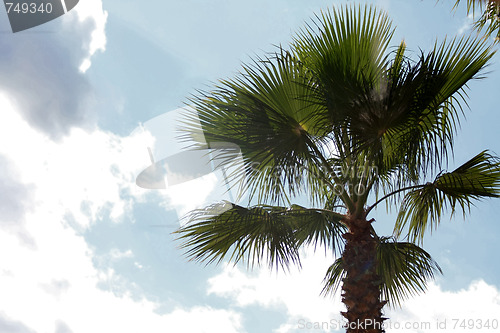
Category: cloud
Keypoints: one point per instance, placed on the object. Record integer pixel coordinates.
(298, 291)
(190, 195)
(467, 310)
(61, 327)
(91, 13)
(188, 179)
(40, 71)
(56, 287)
(15, 202)
(83, 174)
(12, 326)
(68, 186)
(467, 24)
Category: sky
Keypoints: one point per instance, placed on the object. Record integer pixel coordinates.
(84, 249)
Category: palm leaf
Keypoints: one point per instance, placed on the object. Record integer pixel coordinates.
(490, 15)
(400, 114)
(344, 50)
(271, 233)
(264, 112)
(409, 131)
(334, 277)
(404, 270)
(422, 208)
(425, 101)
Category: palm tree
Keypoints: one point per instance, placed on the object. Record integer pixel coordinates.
(342, 120)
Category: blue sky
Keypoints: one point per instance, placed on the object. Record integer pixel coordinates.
(83, 249)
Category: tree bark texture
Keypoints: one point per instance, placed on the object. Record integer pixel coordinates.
(361, 286)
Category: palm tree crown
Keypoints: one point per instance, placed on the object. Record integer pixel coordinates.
(349, 122)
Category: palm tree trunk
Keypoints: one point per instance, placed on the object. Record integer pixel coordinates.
(361, 287)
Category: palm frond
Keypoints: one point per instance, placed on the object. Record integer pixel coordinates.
(263, 111)
(404, 270)
(344, 50)
(401, 114)
(422, 208)
(410, 131)
(252, 235)
(489, 17)
(334, 277)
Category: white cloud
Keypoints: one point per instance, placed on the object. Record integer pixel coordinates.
(465, 310)
(189, 195)
(92, 10)
(189, 177)
(467, 24)
(116, 254)
(51, 284)
(43, 73)
(298, 291)
(83, 174)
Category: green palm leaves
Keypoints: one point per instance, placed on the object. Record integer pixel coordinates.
(339, 118)
(404, 269)
(260, 233)
(424, 102)
(422, 208)
(490, 16)
(345, 51)
(276, 134)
